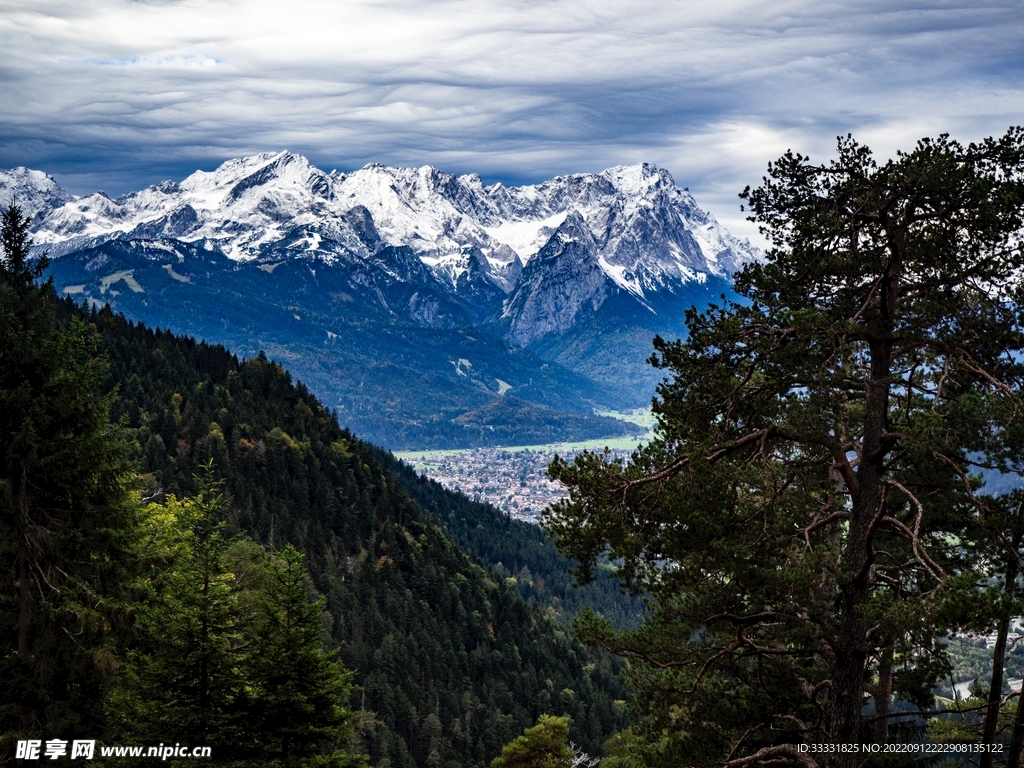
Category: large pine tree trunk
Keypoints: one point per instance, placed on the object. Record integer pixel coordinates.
(851, 642)
(998, 660)
(883, 696)
(851, 648)
(848, 679)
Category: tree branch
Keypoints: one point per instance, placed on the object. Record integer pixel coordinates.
(676, 466)
(913, 535)
(776, 754)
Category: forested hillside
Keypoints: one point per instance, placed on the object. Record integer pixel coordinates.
(392, 380)
(517, 550)
(451, 660)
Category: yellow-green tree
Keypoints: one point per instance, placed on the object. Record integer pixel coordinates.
(544, 745)
(231, 647)
(183, 681)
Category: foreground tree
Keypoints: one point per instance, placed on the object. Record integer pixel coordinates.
(230, 650)
(544, 745)
(298, 690)
(183, 681)
(799, 519)
(67, 510)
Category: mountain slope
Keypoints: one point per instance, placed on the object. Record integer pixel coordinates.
(451, 661)
(361, 279)
(398, 382)
(518, 550)
(563, 281)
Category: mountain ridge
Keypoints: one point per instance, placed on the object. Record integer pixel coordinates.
(564, 279)
(436, 213)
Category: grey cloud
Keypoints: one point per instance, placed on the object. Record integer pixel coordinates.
(121, 93)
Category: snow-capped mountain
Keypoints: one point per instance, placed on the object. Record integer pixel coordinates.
(647, 233)
(407, 297)
(33, 191)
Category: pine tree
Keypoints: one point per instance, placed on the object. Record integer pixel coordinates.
(800, 519)
(18, 273)
(230, 649)
(298, 690)
(67, 511)
(544, 745)
(183, 682)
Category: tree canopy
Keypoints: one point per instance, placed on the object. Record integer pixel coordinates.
(543, 745)
(802, 519)
(229, 651)
(67, 511)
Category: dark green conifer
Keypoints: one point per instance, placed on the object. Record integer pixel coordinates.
(297, 689)
(802, 519)
(67, 514)
(230, 653)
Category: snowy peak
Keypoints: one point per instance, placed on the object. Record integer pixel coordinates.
(538, 256)
(282, 176)
(244, 205)
(643, 223)
(573, 229)
(33, 191)
(637, 180)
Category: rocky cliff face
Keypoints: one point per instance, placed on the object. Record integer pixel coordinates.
(562, 282)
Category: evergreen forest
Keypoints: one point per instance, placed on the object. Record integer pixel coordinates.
(215, 525)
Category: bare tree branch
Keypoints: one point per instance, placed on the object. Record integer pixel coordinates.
(776, 755)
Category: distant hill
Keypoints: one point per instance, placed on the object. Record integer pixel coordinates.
(406, 298)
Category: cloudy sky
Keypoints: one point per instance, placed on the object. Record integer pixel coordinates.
(118, 94)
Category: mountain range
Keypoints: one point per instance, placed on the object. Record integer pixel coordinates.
(429, 310)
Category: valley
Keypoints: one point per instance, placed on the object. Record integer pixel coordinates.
(287, 329)
(514, 479)
(438, 604)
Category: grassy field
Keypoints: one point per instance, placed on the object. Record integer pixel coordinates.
(643, 418)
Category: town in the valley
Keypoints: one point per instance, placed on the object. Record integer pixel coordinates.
(513, 480)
